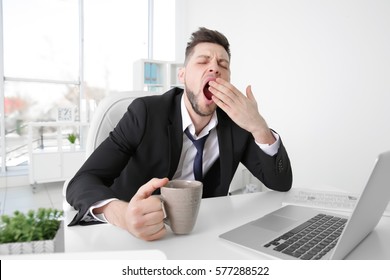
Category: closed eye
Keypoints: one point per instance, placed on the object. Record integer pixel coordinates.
(224, 65)
(202, 61)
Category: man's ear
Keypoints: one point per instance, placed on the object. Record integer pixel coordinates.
(181, 74)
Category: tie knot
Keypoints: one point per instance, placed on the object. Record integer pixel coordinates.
(198, 143)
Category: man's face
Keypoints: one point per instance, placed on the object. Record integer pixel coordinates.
(207, 62)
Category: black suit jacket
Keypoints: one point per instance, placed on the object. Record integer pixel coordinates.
(147, 143)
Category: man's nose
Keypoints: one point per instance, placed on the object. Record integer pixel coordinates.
(214, 67)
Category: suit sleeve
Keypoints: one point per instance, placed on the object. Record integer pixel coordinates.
(274, 172)
(92, 182)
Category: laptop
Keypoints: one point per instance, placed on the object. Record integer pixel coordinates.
(299, 232)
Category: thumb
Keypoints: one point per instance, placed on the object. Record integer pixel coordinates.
(147, 190)
(249, 93)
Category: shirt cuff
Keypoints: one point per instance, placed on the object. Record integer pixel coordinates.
(272, 149)
(97, 217)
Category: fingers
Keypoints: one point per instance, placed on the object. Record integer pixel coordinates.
(225, 90)
(224, 93)
(146, 206)
(250, 94)
(158, 235)
(144, 215)
(231, 100)
(222, 85)
(241, 108)
(146, 218)
(146, 190)
(149, 226)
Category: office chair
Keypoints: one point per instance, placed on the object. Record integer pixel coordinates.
(108, 113)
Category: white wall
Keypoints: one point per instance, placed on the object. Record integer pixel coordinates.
(320, 71)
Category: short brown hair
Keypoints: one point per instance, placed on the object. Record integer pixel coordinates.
(204, 35)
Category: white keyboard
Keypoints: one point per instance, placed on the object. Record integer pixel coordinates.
(327, 200)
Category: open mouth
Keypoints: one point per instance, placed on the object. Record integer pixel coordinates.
(207, 92)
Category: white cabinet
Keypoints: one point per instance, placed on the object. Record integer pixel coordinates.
(45, 167)
(71, 163)
(156, 75)
(51, 157)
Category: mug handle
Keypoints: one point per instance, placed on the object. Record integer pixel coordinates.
(166, 220)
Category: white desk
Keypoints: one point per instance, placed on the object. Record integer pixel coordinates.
(216, 216)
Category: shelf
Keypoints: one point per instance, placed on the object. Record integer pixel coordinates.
(54, 161)
(156, 75)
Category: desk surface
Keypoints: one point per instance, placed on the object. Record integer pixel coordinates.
(216, 216)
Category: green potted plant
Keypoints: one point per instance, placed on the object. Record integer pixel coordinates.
(33, 232)
(72, 139)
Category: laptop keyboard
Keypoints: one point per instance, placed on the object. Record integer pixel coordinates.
(312, 239)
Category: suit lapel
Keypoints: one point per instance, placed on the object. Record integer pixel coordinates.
(224, 131)
(175, 135)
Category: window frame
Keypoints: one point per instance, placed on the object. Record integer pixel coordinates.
(80, 83)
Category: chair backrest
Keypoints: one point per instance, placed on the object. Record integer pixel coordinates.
(108, 113)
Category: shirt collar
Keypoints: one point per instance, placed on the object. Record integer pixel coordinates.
(187, 122)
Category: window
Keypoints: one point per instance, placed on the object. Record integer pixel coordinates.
(164, 30)
(70, 52)
(41, 68)
(115, 35)
(41, 39)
